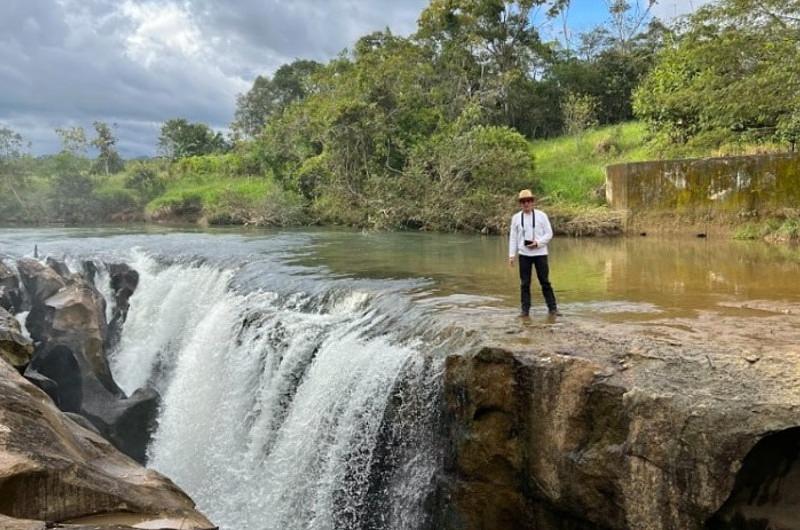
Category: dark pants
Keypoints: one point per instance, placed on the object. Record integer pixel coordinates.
(526, 266)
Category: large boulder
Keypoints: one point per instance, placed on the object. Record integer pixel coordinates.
(15, 348)
(74, 318)
(41, 282)
(60, 266)
(70, 363)
(54, 470)
(126, 422)
(587, 431)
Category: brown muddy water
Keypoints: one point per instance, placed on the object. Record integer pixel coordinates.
(616, 279)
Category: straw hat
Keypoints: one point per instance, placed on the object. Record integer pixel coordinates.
(526, 194)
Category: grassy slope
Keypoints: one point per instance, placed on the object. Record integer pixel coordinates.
(212, 193)
(570, 169)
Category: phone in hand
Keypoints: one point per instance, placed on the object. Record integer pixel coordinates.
(530, 244)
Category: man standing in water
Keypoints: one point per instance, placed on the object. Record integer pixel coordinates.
(530, 234)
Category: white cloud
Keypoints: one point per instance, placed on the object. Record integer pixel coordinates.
(137, 63)
(160, 28)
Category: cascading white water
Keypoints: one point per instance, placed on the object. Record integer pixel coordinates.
(282, 412)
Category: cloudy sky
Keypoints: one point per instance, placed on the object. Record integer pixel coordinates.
(136, 63)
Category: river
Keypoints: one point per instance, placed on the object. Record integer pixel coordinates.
(300, 370)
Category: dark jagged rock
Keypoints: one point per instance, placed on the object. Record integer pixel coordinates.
(58, 365)
(54, 470)
(767, 490)
(124, 281)
(127, 423)
(40, 282)
(45, 384)
(59, 266)
(70, 330)
(89, 271)
(11, 296)
(74, 319)
(15, 348)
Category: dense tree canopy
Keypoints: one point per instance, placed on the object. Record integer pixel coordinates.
(269, 97)
(179, 138)
(431, 131)
(733, 70)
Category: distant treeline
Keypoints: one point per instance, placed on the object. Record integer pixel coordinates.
(431, 131)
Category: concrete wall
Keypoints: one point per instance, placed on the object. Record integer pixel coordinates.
(713, 187)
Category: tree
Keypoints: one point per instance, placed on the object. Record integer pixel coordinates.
(733, 70)
(579, 113)
(788, 129)
(179, 139)
(627, 21)
(73, 140)
(144, 179)
(489, 47)
(269, 97)
(12, 147)
(108, 160)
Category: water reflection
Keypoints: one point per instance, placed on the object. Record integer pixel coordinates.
(645, 275)
(624, 278)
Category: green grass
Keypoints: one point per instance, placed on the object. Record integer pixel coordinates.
(571, 169)
(212, 194)
(778, 230)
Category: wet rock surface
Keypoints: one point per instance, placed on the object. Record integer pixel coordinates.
(571, 426)
(41, 282)
(15, 348)
(11, 297)
(67, 323)
(54, 470)
(124, 281)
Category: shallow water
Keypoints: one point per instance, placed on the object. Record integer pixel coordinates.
(609, 278)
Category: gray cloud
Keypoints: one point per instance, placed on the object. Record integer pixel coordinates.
(136, 63)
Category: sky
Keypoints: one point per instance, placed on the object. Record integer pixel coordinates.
(137, 63)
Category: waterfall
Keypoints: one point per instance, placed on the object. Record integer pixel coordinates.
(301, 410)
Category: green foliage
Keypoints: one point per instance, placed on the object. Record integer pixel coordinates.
(773, 229)
(734, 68)
(180, 139)
(12, 176)
(788, 129)
(73, 140)
(580, 111)
(71, 198)
(269, 97)
(108, 160)
(571, 170)
(145, 181)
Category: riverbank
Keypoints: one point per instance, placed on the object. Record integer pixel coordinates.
(235, 189)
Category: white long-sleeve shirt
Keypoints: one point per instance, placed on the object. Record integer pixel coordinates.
(540, 231)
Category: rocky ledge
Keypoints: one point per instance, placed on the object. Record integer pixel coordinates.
(52, 469)
(70, 438)
(572, 428)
